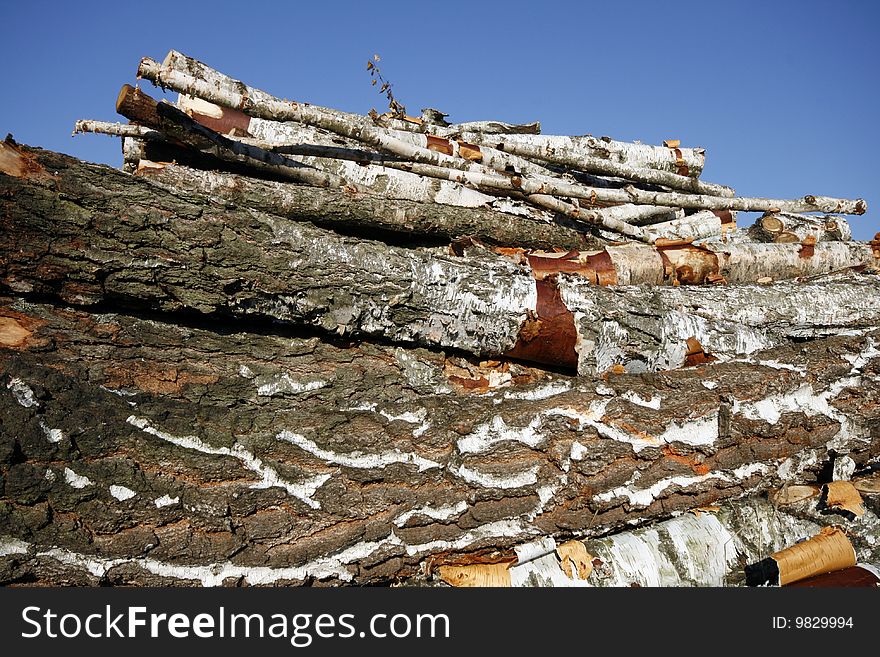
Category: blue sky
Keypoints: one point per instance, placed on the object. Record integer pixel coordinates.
(783, 95)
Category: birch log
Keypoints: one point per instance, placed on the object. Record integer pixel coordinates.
(258, 103)
(361, 213)
(680, 262)
(126, 241)
(664, 158)
(570, 150)
(135, 105)
(698, 548)
(670, 327)
(283, 134)
(593, 164)
(788, 227)
(697, 226)
(139, 451)
(189, 66)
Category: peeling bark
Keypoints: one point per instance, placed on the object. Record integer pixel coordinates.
(356, 212)
(135, 105)
(253, 102)
(787, 227)
(697, 226)
(125, 241)
(565, 149)
(135, 451)
(575, 155)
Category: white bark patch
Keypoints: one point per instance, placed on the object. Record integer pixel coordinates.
(435, 513)
(643, 497)
(805, 400)
(498, 529)
(11, 545)
(52, 435)
(419, 417)
(701, 431)
(844, 467)
(215, 574)
(709, 385)
(496, 431)
(75, 480)
(518, 480)
(544, 570)
(534, 549)
(635, 398)
(166, 500)
(357, 459)
(541, 392)
(269, 478)
(280, 384)
(698, 431)
(49, 476)
(776, 365)
(121, 493)
(22, 393)
(578, 451)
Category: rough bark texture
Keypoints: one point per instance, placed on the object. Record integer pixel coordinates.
(668, 327)
(217, 88)
(137, 451)
(788, 227)
(355, 212)
(564, 149)
(123, 240)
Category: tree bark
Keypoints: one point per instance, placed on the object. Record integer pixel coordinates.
(256, 103)
(359, 213)
(125, 241)
(604, 166)
(135, 105)
(785, 227)
(283, 134)
(697, 226)
(567, 150)
(138, 451)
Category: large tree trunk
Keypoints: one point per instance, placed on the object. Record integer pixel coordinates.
(91, 235)
(134, 450)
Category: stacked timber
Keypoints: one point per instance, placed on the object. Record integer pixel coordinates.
(288, 344)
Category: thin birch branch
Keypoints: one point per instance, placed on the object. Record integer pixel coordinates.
(670, 158)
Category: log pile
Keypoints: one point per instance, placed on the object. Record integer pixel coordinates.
(292, 345)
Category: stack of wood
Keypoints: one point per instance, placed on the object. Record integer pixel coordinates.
(289, 344)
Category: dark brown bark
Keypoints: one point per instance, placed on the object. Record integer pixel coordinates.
(359, 462)
(93, 235)
(359, 213)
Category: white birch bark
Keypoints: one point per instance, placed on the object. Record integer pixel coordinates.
(485, 127)
(789, 227)
(684, 263)
(589, 148)
(699, 548)
(697, 226)
(115, 129)
(133, 151)
(653, 329)
(258, 103)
